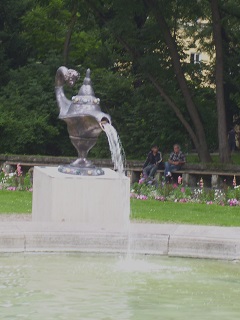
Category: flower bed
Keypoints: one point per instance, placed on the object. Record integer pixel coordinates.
(15, 181)
(178, 193)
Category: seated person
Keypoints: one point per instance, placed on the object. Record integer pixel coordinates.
(175, 162)
(152, 163)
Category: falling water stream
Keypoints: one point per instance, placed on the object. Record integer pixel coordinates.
(115, 145)
(119, 161)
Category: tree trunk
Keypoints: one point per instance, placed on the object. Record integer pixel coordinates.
(202, 147)
(165, 97)
(69, 34)
(177, 111)
(197, 135)
(224, 153)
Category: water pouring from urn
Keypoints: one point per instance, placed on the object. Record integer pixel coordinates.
(85, 121)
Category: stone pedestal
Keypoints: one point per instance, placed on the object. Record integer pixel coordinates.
(92, 203)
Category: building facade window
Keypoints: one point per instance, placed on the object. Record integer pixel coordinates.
(195, 57)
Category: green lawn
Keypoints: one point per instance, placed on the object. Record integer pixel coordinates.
(186, 213)
(15, 201)
(149, 210)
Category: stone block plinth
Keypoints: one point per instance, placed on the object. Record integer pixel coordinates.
(91, 203)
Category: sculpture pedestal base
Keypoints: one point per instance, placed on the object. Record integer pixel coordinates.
(81, 171)
(92, 203)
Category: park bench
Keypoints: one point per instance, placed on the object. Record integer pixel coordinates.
(191, 174)
(191, 177)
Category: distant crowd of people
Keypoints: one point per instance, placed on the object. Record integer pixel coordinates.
(155, 162)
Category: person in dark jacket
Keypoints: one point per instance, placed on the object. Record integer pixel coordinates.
(152, 163)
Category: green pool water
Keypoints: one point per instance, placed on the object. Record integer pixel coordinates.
(83, 286)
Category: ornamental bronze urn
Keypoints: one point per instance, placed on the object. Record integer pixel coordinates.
(84, 119)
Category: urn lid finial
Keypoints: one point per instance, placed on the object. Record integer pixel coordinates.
(86, 89)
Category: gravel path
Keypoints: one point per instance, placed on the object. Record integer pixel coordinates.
(5, 217)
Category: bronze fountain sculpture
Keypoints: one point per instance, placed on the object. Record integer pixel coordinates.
(84, 120)
(75, 194)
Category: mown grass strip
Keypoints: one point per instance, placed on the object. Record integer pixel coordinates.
(15, 201)
(149, 210)
(184, 213)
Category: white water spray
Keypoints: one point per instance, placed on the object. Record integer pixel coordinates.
(115, 145)
(119, 161)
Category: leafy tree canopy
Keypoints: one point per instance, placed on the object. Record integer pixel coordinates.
(133, 71)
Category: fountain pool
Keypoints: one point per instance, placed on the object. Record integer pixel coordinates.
(83, 286)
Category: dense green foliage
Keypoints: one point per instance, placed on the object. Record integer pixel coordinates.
(37, 36)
